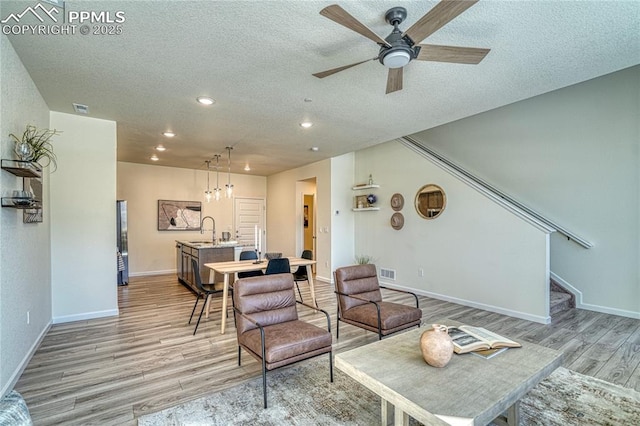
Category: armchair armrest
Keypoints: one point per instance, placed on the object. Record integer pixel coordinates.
(326, 314)
(403, 291)
(353, 296)
(257, 324)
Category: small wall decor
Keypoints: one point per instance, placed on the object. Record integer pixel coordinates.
(34, 186)
(430, 201)
(372, 199)
(179, 215)
(397, 221)
(397, 202)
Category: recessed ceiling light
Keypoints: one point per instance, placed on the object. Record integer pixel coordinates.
(160, 148)
(306, 124)
(247, 168)
(169, 134)
(205, 100)
(315, 149)
(154, 157)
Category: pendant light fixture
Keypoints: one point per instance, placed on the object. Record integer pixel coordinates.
(229, 186)
(217, 190)
(207, 193)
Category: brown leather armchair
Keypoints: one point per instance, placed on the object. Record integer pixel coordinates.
(360, 302)
(268, 327)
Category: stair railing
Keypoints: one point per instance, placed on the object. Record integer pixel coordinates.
(492, 192)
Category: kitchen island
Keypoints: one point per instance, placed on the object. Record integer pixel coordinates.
(203, 252)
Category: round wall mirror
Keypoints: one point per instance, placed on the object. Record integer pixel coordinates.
(430, 201)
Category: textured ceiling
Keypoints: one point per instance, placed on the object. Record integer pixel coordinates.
(255, 58)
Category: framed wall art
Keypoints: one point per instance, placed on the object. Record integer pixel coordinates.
(179, 215)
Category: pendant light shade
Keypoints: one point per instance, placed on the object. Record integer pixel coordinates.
(229, 186)
(217, 190)
(207, 193)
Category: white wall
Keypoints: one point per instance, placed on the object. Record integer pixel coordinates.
(475, 253)
(152, 251)
(83, 234)
(343, 220)
(25, 273)
(572, 155)
(283, 213)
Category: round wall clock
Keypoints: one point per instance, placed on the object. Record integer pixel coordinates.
(397, 201)
(397, 221)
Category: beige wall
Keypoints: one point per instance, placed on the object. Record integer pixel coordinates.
(152, 251)
(284, 213)
(83, 234)
(25, 264)
(475, 253)
(574, 156)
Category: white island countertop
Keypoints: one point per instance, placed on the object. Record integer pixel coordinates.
(204, 244)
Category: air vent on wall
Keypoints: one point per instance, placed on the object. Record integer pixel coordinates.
(81, 109)
(388, 273)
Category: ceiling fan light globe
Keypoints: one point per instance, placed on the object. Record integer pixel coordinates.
(396, 59)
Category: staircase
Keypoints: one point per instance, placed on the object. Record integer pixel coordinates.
(561, 299)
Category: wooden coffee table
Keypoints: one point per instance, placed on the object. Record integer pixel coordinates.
(470, 390)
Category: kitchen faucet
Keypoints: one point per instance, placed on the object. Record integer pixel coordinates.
(213, 237)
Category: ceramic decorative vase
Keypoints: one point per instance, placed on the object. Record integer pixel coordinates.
(23, 150)
(436, 346)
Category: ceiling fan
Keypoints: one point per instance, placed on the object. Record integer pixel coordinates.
(400, 48)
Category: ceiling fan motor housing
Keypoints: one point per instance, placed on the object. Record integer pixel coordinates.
(402, 49)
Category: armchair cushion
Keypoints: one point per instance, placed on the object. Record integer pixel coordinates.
(288, 341)
(268, 299)
(392, 315)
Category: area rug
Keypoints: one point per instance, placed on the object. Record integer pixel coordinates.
(303, 395)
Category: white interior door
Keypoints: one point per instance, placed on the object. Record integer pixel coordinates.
(249, 214)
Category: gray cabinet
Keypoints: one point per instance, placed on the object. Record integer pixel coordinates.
(186, 252)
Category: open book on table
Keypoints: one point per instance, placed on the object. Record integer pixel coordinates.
(468, 339)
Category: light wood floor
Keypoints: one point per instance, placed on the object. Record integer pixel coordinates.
(110, 371)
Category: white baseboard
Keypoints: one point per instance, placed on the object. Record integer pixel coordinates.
(589, 307)
(86, 316)
(472, 304)
(147, 273)
(25, 361)
(324, 279)
(607, 310)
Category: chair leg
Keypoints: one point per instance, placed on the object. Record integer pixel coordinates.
(338, 329)
(201, 312)
(299, 294)
(331, 366)
(239, 356)
(194, 308)
(264, 381)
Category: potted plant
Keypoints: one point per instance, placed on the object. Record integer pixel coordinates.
(363, 259)
(35, 145)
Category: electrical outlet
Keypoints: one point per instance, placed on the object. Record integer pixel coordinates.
(28, 318)
(420, 272)
(326, 263)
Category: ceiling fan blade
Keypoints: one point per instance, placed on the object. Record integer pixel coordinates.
(327, 73)
(394, 80)
(458, 55)
(436, 18)
(342, 17)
